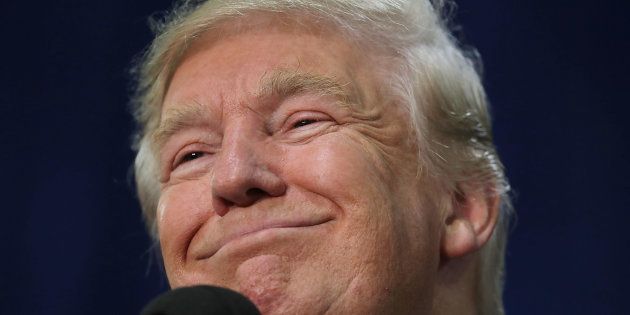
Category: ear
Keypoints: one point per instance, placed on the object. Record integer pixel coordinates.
(471, 221)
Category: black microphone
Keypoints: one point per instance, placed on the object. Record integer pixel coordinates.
(200, 300)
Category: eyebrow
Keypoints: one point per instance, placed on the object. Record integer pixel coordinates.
(286, 83)
(177, 119)
(277, 84)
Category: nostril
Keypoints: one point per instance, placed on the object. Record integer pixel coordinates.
(243, 185)
(255, 193)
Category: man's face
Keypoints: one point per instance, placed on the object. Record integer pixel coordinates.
(288, 175)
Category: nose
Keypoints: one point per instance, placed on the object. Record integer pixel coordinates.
(243, 175)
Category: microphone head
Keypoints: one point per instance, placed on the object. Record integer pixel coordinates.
(198, 300)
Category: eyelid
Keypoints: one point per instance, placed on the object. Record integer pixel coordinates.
(176, 161)
(317, 116)
(181, 158)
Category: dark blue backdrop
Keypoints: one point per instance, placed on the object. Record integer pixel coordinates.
(71, 235)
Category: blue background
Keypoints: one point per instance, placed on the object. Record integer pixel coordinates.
(71, 234)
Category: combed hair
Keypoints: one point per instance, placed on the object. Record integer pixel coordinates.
(436, 80)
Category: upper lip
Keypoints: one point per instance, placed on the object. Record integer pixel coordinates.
(229, 228)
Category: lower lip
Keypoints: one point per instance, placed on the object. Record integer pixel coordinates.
(264, 235)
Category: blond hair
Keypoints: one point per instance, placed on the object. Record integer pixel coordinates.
(437, 81)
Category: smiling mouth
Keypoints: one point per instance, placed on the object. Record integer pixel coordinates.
(248, 232)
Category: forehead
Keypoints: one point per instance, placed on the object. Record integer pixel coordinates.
(230, 67)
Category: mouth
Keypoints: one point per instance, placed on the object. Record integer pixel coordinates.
(258, 231)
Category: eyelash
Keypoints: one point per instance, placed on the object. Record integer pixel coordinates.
(304, 122)
(188, 157)
(306, 118)
(193, 155)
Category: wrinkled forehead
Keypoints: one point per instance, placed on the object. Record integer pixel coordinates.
(254, 23)
(304, 56)
(295, 23)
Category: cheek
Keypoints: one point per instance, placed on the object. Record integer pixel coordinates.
(181, 210)
(336, 168)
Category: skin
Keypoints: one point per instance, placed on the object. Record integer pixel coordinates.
(303, 203)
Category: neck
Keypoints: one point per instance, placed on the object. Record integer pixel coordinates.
(456, 290)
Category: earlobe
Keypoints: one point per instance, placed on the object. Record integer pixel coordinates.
(470, 222)
(458, 238)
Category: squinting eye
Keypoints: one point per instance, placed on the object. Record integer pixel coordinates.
(304, 122)
(190, 156)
